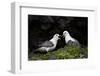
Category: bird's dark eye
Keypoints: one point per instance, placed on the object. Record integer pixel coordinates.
(64, 32)
(56, 35)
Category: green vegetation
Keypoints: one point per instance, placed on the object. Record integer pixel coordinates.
(68, 52)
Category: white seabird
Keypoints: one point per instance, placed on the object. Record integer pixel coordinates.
(70, 40)
(49, 45)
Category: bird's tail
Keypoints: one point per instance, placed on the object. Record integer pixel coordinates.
(39, 50)
(36, 50)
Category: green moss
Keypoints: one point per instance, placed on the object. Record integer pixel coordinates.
(68, 52)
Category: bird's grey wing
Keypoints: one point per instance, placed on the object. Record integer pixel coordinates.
(70, 42)
(77, 42)
(73, 43)
(46, 44)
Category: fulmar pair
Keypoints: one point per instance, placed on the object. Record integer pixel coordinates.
(52, 43)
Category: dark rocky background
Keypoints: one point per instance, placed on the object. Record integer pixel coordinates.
(41, 28)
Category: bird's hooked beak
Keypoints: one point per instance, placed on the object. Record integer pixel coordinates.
(60, 36)
(63, 36)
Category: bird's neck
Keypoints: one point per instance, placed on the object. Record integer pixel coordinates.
(54, 41)
(68, 38)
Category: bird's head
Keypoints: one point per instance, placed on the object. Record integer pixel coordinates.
(65, 33)
(57, 36)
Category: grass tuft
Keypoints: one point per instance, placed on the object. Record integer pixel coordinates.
(68, 52)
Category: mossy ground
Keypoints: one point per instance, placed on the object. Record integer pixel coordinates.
(68, 52)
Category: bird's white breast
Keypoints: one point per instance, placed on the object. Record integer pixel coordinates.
(68, 38)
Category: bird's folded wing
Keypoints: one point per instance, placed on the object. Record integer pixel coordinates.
(46, 44)
(74, 43)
